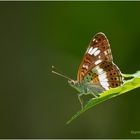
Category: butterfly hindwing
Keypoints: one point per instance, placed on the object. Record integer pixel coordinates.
(108, 75)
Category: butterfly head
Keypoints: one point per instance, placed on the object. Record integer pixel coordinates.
(73, 83)
(79, 86)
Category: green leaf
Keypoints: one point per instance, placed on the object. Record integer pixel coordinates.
(128, 85)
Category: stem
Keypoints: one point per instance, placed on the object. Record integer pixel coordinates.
(127, 75)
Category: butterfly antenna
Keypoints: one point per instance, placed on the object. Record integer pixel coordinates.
(59, 73)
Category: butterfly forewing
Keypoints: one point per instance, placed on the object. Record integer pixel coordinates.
(97, 51)
(97, 65)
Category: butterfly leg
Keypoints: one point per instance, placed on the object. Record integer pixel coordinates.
(80, 100)
(94, 95)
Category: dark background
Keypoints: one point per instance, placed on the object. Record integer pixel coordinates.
(36, 35)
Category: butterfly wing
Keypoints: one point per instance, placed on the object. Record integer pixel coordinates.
(97, 51)
(106, 74)
(97, 66)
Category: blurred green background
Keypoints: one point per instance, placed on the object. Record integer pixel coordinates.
(36, 35)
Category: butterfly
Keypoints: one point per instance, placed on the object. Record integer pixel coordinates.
(97, 71)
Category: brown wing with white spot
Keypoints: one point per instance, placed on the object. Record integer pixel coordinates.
(97, 52)
(108, 75)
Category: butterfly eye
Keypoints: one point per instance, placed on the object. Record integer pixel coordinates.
(70, 82)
